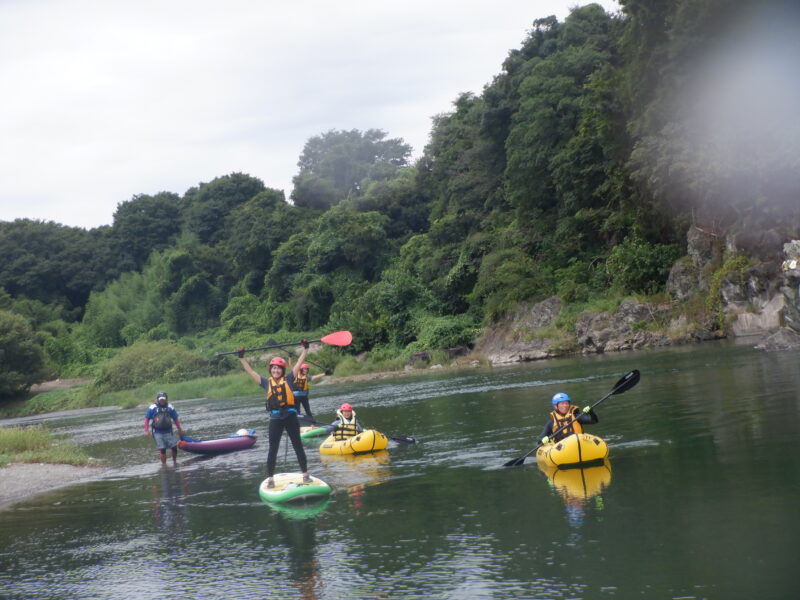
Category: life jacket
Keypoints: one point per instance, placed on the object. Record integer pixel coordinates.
(559, 420)
(346, 428)
(162, 419)
(279, 395)
(300, 385)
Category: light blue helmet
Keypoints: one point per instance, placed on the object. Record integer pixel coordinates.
(561, 397)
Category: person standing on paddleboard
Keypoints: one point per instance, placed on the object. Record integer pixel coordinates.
(158, 419)
(566, 419)
(281, 407)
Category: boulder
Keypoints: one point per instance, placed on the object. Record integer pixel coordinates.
(783, 339)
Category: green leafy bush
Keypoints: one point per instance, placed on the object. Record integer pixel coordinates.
(637, 265)
(148, 361)
(439, 333)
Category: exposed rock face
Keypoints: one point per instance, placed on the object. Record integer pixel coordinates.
(754, 300)
(759, 300)
(689, 276)
(515, 340)
(791, 285)
(634, 325)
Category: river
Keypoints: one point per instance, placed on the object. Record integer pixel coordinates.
(699, 498)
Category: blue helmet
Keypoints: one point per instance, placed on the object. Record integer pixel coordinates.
(561, 397)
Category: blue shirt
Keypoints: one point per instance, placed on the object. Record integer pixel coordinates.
(151, 413)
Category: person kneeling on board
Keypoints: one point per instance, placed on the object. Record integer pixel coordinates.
(282, 409)
(158, 422)
(346, 425)
(566, 413)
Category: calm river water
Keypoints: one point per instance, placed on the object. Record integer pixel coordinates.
(698, 500)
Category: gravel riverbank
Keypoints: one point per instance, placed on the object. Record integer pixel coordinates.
(23, 481)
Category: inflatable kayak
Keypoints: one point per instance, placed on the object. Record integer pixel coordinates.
(241, 440)
(368, 440)
(580, 483)
(312, 431)
(290, 486)
(574, 450)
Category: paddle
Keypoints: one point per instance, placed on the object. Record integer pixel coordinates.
(627, 381)
(403, 439)
(307, 420)
(338, 338)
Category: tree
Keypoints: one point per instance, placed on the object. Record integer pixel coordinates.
(143, 224)
(255, 230)
(21, 356)
(345, 238)
(50, 262)
(340, 164)
(204, 208)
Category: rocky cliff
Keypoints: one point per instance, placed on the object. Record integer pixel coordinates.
(748, 284)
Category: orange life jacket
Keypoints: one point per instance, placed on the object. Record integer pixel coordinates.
(279, 394)
(301, 384)
(573, 412)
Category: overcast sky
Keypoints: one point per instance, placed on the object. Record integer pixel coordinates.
(102, 101)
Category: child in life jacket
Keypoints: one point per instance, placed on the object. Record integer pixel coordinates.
(346, 425)
(566, 419)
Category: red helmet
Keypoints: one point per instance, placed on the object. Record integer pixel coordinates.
(345, 406)
(278, 361)
(304, 366)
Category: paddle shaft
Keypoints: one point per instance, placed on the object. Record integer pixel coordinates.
(291, 355)
(336, 339)
(264, 347)
(623, 385)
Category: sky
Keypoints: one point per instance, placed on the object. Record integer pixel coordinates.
(104, 101)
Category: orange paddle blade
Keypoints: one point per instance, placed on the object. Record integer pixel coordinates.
(338, 338)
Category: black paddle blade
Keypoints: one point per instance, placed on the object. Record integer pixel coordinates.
(516, 462)
(627, 382)
(404, 439)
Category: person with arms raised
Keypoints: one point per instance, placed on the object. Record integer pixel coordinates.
(281, 407)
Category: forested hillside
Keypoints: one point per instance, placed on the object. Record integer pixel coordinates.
(575, 172)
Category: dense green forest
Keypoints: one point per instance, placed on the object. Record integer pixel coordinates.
(574, 173)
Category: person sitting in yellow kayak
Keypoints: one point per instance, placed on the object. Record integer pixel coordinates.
(565, 413)
(346, 425)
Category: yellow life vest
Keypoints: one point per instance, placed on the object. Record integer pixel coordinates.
(279, 395)
(300, 383)
(346, 428)
(573, 412)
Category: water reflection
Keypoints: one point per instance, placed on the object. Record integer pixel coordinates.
(577, 487)
(168, 496)
(300, 539)
(299, 510)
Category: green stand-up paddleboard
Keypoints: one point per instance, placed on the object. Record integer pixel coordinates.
(310, 431)
(290, 487)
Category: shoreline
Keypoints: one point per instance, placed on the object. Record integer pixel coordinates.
(24, 481)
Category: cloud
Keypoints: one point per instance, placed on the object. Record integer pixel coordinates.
(103, 101)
